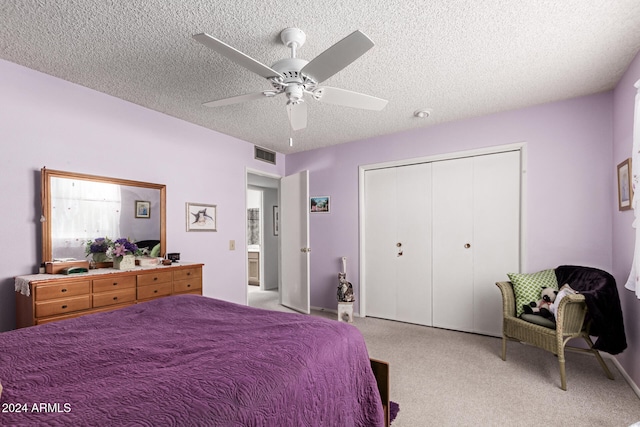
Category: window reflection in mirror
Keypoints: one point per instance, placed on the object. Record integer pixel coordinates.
(78, 208)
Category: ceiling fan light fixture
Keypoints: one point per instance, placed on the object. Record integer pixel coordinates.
(295, 76)
(422, 113)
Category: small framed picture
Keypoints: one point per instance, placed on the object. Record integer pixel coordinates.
(319, 204)
(276, 221)
(143, 209)
(625, 190)
(201, 217)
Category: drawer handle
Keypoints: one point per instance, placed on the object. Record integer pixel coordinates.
(115, 298)
(189, 274)
(189, 285)
(155, 278)
(63, 290)
(115, 283)
(64, 306)
(155, 291)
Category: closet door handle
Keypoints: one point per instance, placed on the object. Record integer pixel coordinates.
(467, 245)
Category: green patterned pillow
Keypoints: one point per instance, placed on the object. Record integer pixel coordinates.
(527, 287)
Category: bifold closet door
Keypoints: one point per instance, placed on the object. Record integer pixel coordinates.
(398, 243)
(496, 234)
(452, 244)
(476, 239)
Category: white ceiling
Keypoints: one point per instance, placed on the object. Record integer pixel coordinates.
(457, 58)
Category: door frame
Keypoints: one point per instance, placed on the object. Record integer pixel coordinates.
(250, 171)
(518, 146)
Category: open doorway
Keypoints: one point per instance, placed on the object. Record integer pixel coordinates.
(263, 264)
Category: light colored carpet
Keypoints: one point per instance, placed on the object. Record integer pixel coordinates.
(449, 378)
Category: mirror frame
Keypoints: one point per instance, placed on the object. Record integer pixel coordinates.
(47, 174)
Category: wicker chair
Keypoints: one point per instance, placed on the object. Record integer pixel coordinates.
(569, 324)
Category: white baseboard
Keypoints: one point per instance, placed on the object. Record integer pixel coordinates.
(626, 376)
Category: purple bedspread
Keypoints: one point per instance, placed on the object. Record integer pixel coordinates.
(190, 361)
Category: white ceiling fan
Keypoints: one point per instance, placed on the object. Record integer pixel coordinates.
(295, 77)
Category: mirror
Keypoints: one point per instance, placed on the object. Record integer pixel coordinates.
(78, 207)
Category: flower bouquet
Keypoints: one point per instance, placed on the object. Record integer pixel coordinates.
(98, 248)
(123, 251)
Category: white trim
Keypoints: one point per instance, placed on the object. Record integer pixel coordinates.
(446, 156)
(518, 146)
(637, 85)
(626, 376)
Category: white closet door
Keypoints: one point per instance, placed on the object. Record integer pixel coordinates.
(496, 240)
(453, 244)
(413, 266)
(398, 212)
(380, 235)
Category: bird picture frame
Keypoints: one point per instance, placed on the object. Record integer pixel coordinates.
(201, 217)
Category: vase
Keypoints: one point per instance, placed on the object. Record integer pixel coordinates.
(125, 262)
(100, 257)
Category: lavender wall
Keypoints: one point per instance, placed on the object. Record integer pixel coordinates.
(45, 121)
(568, 173)
(623, 233)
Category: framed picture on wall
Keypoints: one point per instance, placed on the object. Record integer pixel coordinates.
(625, 190)
(143, 209)
(276, 221)
(319, 204)
(201, 217)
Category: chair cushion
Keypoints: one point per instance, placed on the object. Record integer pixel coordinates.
(527, 287)
(155, 252)
(538, 320)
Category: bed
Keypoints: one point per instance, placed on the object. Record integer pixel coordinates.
(188, 360)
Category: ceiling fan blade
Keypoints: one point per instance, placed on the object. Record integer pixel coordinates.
(337, 56)
(236, 56)
(297, 115)
(240, 98)
(347, 98)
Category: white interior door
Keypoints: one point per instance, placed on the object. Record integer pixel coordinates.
(398, 243)
(453, 244)
(294, 242)
(496, 212)
(380, 242)
(413, 262)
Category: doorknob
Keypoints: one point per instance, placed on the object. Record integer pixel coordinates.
(467, 245)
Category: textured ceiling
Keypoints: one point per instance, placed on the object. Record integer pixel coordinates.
(457, 58)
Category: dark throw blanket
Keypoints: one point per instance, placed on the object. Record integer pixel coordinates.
(603, 304)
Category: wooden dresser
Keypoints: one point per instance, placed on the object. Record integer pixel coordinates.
(54, 297)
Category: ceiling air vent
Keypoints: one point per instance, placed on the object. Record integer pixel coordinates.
(265, 155)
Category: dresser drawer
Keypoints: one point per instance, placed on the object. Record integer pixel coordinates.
(187, 273)
(62, 305)
(153, 278)
(61, 290)
(187, 285)
(114, 283)
(153, 291)
(115, 297)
